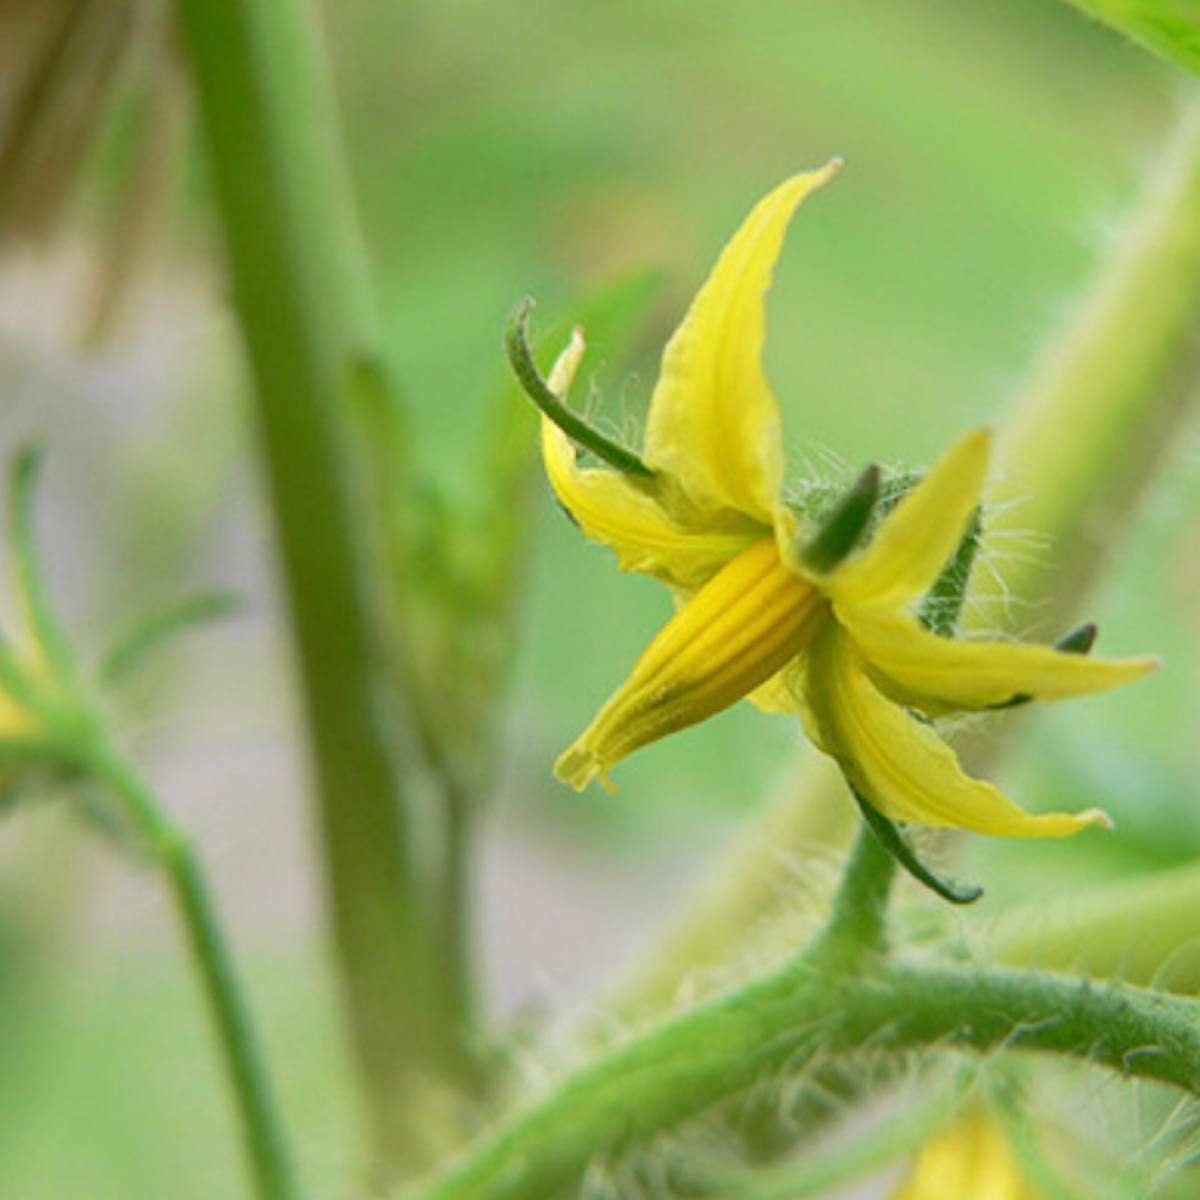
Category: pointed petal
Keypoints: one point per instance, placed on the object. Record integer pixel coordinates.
(916, 541)
(900, 764)
(740, 629)
(939, 674)
(613, 510)
(713, 423)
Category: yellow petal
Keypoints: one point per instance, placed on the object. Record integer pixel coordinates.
(740, 629)
(616, 512)
(713, 423)
(916, 541)
(939, 674)
(971, 1159)
(782, 693)
(901, 765)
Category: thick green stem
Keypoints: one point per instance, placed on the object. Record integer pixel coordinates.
(779, 1023)
(262, 1129)
(307, 313)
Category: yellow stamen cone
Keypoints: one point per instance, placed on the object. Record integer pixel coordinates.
(743, 626)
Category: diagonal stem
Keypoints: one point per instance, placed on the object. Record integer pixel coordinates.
(781, 1022)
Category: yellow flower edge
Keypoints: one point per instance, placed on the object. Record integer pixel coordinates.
(843, 647)
(972, 1158)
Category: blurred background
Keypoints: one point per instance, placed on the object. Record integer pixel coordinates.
(546, 148)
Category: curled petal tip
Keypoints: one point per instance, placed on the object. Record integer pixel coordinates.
(577, 766)
(567, 363)
(1096, 816)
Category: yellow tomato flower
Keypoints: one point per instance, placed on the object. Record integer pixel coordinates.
(840, 646)
(970, 1159)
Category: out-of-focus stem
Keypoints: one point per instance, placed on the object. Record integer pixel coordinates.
(307, 312)
(1170, 28)
(1103, 406)
(262, 1129)
(1145, 930)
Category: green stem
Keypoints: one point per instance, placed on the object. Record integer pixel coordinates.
(308, 316)
(779, 1023)
(856, 928)
(262, 1128)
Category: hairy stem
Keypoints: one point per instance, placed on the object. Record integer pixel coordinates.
(777, 1024)
(856, 922)
(262, 1129)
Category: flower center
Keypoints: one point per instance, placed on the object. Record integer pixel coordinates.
(747, 623)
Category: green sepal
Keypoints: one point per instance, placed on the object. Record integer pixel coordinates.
(516, 343)
(942, 605)
(894, 842)
(152, 632)
(32, 594)
(841, 530)
(1079, 641)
